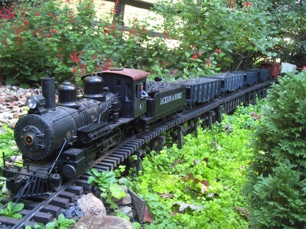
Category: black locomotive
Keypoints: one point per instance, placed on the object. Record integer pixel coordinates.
(59, 141)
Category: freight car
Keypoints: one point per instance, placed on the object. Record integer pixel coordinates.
(59, 141)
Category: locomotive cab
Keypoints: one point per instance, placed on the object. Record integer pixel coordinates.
(126, 84)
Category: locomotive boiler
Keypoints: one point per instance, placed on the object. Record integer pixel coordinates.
(57, 142)
(47, 129)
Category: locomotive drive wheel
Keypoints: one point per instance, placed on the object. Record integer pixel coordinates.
(116, 136)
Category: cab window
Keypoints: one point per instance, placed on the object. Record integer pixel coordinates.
(137, 92)
(128, 93)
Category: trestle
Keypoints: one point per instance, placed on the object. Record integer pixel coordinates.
(157, 144)
(180, 136)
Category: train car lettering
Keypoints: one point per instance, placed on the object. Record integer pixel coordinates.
(170, 98)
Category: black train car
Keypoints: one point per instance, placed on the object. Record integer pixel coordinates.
(201, 90)
(264, 74)
(250, 76)
(230, 82)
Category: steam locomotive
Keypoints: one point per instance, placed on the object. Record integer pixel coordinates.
(60, 140)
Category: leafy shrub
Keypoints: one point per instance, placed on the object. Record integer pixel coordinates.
(66, 41)
(217, 34)
(276, 190)
(63, 40)
(52, 38)
(278, 200)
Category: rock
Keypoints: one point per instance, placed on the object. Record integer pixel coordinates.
(104, 222)
(127, 211)
(126, 200)
(16, 158)
(91, 205)
(5, 190)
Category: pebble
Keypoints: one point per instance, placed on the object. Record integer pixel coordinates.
(73, 212)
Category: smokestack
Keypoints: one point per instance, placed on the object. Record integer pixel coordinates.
(48, 92)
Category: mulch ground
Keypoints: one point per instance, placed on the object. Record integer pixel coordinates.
(13, 104)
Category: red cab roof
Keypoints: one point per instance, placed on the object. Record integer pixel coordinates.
(135, 74)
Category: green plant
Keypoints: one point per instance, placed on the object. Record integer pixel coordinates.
(61, 223)
(278, 200)
(289, 26)
(119, 170)
(200, 185)
(216, 35)
(136, 225)
(57, 39)
(277, 171)
(51, 38)
(158, 209)
(12, 210)
(68, 40)
(7, 143)
(108, 184)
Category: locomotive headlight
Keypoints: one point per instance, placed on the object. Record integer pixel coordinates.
(31, 103)
(36, 101)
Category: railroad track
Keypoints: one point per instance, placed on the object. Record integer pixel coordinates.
(42, 210)
(49, 207)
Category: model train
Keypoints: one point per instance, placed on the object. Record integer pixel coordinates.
(60, 140)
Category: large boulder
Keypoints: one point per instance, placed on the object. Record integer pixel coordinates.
(95, 215)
